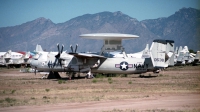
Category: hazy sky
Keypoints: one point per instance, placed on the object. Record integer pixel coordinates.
(16, 12)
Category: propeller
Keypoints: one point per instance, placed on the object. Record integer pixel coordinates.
(73, 51)
(71, 48)
(76, 48)
(58, 55)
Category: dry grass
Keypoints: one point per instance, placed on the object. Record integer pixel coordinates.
(19, 89)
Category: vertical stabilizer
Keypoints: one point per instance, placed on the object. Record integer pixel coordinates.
(179, 50)
(146, 52)
(183, 55)
(186, 53)
(157, 52)
(176, 50)
(38, 48)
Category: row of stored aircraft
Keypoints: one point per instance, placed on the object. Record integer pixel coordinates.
(15, 59)
(184, 57)
(111, 59)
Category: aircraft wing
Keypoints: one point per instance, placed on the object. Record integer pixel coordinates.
(86, 55)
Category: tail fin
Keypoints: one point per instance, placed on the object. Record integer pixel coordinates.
(179, 50)
(186, 53)
(158, 53)
(146, 52)
(176, 50)
(38, 48)
(183, 55)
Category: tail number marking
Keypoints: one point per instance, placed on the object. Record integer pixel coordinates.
(159, 59)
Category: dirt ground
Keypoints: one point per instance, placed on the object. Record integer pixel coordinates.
(175, 89)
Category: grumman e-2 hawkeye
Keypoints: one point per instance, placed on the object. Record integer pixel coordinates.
(92, 63)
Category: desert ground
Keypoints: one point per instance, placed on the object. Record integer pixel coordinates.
(174, 89)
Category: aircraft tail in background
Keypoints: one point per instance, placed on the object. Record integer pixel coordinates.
(38, 48)
(146, 52)
(37, 51)
(158, 53)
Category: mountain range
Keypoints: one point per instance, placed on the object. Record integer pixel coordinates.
(183, 27)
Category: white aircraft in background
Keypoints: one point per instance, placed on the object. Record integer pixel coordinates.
(92, 63)
(177, 53)
(25, 59)
(14, 59)
(183, 56)
(5, 58)
(38, 50)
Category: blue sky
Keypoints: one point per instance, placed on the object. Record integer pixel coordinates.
(16, 12)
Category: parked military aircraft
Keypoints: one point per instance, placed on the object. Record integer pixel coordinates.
(183, 56)
(92, 63)
(15, 59)
(5, 58)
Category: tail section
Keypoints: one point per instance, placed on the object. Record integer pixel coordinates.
(186, 53)
(183, 55)
(146, 52)
(37, 52)
(158, 53)
(180, 49)
(176, 50)
(38, 48)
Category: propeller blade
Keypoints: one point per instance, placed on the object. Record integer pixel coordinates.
(71, 48)
(62, 49)
(76, 48)
(58, 48)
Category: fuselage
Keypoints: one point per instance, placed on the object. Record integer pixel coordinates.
(121, 66)
(46, 63)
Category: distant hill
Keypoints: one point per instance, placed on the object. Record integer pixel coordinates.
(183, 27)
